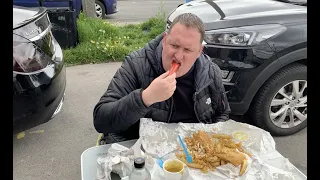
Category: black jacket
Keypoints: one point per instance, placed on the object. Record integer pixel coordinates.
(121, 106)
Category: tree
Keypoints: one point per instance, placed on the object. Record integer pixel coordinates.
(88, 7)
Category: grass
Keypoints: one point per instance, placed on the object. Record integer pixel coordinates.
(101, 41)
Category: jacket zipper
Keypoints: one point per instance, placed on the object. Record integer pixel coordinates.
(194, 105)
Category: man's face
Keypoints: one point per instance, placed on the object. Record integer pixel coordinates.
(181, 45)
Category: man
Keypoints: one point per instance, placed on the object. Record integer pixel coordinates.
(142, 86)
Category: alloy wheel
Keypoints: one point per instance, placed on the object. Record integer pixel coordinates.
(98, 11)
(288, 107)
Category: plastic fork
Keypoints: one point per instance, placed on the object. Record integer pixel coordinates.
(189, 158)
(160, 162)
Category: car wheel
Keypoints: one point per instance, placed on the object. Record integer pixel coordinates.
(280, 106)
(100, 9)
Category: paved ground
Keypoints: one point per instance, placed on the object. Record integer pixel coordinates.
(134, 11)
(52, 151)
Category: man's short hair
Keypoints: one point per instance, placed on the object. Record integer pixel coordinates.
(189, 20)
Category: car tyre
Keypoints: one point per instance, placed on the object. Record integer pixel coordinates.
(100, 9)
(261, 110)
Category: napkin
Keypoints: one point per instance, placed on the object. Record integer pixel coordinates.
(119, 160)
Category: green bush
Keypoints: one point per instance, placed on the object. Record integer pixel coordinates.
(101, 41)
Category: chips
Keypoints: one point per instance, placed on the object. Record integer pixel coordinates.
(211, 151)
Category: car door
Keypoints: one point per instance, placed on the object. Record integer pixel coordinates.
(35, 3)
(26, 3)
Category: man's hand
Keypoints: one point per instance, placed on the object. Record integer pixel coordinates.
(160, 89)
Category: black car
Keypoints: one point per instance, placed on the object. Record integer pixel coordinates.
(261, 48)
(39, 74)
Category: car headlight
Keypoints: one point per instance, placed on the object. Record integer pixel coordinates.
(243, 36)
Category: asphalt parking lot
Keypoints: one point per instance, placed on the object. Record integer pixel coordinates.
(52, 151)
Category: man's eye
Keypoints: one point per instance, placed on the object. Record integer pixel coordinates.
(174, 46)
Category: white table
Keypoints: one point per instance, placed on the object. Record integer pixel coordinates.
(89, 161)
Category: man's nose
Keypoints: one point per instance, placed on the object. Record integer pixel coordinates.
(179, 54)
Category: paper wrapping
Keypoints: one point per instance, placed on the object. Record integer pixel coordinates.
(160, 139)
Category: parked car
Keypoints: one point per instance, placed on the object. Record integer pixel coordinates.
(102, 7)
(105, 7)
(261, 48)
(39, 74)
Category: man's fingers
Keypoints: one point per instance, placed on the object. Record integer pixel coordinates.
(174, 75)
(171, 78)
(173, 82)
(174, 88)
(164, 75)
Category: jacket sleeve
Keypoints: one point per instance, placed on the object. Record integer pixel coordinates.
(223, 110)
(121, 105)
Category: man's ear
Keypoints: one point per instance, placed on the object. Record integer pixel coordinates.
(165, 34)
